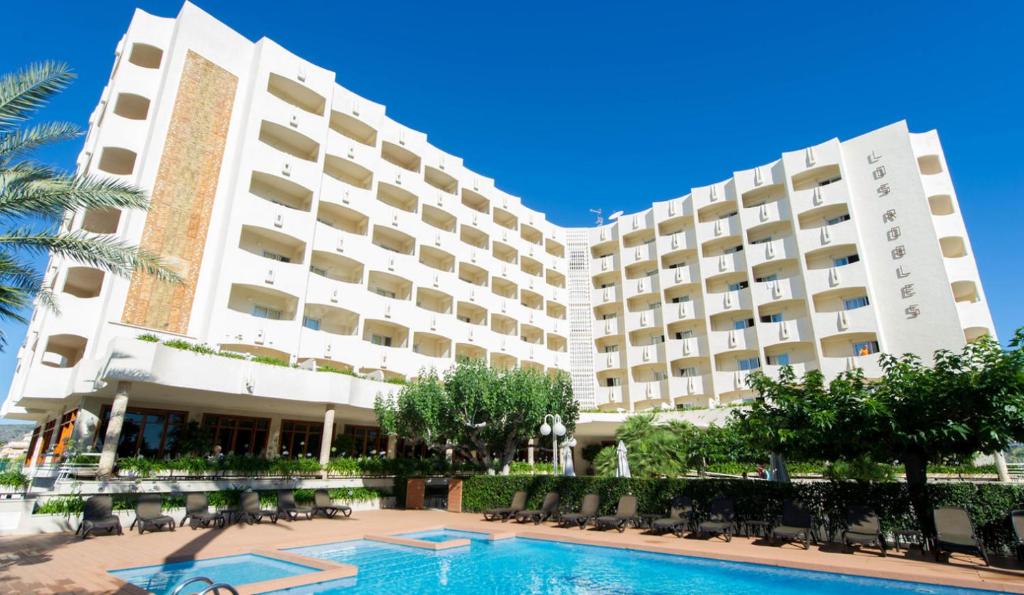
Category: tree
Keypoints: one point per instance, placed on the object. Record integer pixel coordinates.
(484, 415)
(34, 198)
(966, 402)
(655, 450)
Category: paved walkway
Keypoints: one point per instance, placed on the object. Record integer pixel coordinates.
(65, 564)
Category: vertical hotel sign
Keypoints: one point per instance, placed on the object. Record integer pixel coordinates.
(183, 194)
(909, 284)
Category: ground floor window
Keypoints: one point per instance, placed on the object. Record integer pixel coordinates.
(151, 433)
(300, 438)
(367, 440)
(238, 435)
(67, 428)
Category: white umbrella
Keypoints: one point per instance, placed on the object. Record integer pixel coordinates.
(567, 466)
(622, 466)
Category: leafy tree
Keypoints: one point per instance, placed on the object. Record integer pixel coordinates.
(484, 415)
(653, 449)
(34, 198)
(966, 402)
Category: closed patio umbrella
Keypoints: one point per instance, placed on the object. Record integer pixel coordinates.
(622, 466)
(567, 466)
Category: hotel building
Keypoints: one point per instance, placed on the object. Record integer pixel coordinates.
(312, 229)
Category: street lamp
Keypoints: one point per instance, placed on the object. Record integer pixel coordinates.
(556, 429)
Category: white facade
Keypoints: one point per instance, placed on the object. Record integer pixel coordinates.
(339, 237)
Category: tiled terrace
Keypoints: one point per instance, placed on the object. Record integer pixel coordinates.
(65, 564)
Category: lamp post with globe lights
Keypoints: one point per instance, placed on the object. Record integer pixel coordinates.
(556, 429)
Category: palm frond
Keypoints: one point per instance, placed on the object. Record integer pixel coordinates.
(25, 91)
(16, 143)
(32, 190)
(24, 278)
(105, 253)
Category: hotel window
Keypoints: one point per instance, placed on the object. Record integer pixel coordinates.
(654, 306)
(742, 323)
(385, 293)
(265, 312)
(727, 215)
(828, 181)
(275, 256)
(463, 318)
(149, 433)
(656, 339)
(750, 363)
(659, 375)
(781, 359)
(688, 372)
(738, 285)
(607, 285)
(613, 381)
(845, 260)
(680, 298)
(611, 348)
(318, 270)
(839, 219)
(687, 334)
(676, 265)
(611, 316)
(367, 440)
(865, 348)
(777, 317)
(300, 438)
(857, 302)
(767, 278)
(67, 428)
(764, 240)
(311, 323)
(238, 435)
(380, 340)
(733, 250)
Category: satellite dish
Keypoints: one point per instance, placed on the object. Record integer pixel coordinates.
(614, 215)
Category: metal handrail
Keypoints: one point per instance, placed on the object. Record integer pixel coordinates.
(216, 589)
(195, 579)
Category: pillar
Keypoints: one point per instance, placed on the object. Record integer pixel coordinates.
(529, 451)
(274, 438)
(1001, 469)
(109, 454)
(392, 446)
(34, 461)
(328, 435)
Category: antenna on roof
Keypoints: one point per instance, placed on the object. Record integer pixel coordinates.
(600, 219)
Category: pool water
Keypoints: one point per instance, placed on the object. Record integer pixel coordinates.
(233, 570)
(522, 565)
(442, 535)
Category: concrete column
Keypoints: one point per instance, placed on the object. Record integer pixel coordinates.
(328, 435)
(529, 451)
(274, 438)
(392, 446)
(36, 450)
(117, 410)
(1001, 469)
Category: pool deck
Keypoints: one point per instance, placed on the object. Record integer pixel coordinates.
(66, 564)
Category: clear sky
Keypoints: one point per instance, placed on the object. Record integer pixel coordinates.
(580, 105)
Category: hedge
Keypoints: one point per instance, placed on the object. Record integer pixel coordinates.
(988, 504)
(225, 498)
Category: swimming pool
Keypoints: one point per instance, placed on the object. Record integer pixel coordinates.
(522, 565)
(234, 570)
(442, 535)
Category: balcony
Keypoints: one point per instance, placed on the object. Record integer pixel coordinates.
(257, 271)
(772, 251)
(687, 386)
(789, 288)
(833, 366)
(731, 382)
(683, 349)
(643, 253)
(644, 355)
(719, 228)
(675, 312)
(826, 279)
(732, 340)
(642, 286)
(252, 334)
(765, 214)
(809, 199)
(606, 295)
(604, 264)
(607, 327)
(643, 319)
(813, 238)
(681, 275)
(843, 322)
(723, 264)
(300, 171)
(728, 301)
(604, 362)
(649, 391)
(677, 242)
(784, 332)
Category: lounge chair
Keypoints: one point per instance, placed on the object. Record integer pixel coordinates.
(548, 508)
(1017, 521)
(149, 514)
(587, 513)
(680, 517)
(99, 515)
(250, 511)
(625, 513)
(322, 504)
(518, 503)
(287, 507)
(863, 528)
(197, 512)
(721, 519)
(796, 524)
(954, 532)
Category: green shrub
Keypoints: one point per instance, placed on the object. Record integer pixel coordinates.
(523, 468)
(334, 370)
(148, 338)
(988, 504)
(271, 361)
(13, 478)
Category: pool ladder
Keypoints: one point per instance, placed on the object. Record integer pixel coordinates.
(211, 587)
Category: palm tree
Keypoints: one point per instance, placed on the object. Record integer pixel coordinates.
(35, 199)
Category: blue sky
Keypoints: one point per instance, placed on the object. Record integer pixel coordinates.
(579, 105)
